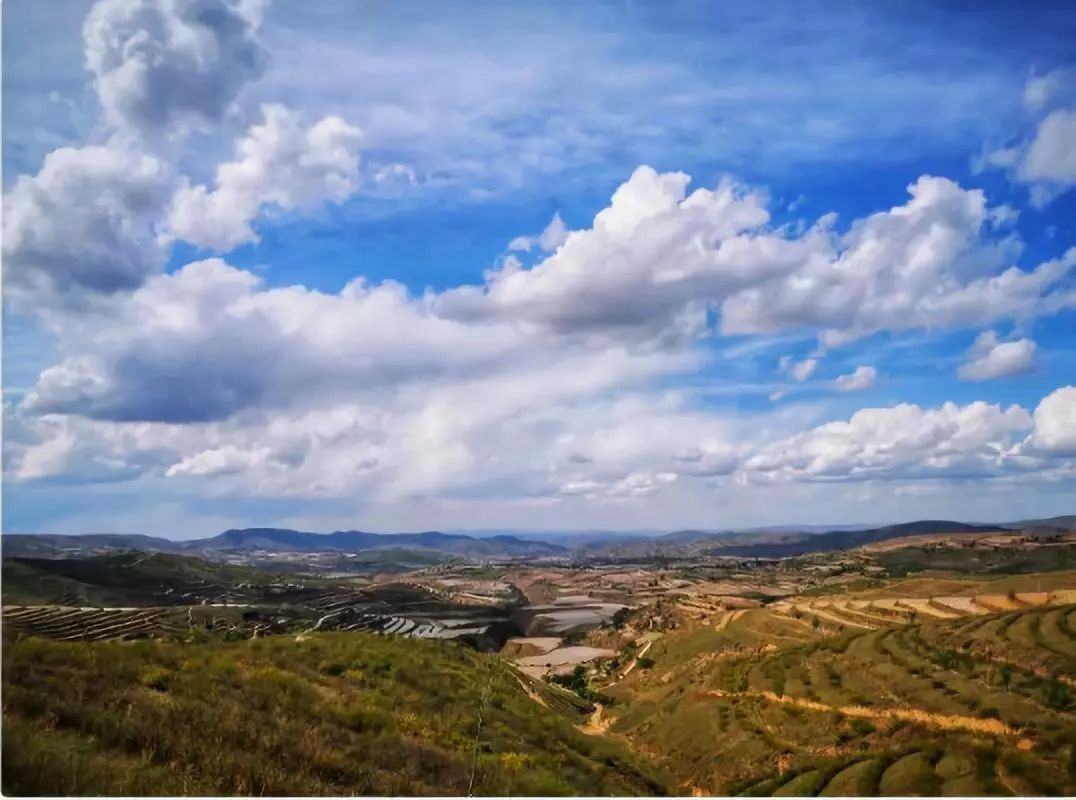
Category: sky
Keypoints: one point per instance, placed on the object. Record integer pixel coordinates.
(589, 265)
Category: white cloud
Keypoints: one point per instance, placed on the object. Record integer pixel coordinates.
(552, 236)
(1050, 159)
(905, 441)
(658, 263)
(799, 371)
(1055, 423)
(927, 264)
(990, 358)
(1046, 159)
(584, 437)
(171, 65)
(282, 163)
(207, 341)
(637, 484)
(858, 380)
(84, 224)
(396, 174)
(1041, 91)
(649, 265)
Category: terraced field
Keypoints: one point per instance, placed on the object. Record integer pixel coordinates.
(390, 609)
(867, 614)
(960, 701)
(89, 624)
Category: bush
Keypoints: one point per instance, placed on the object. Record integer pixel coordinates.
(155, 678)
(1056, 694)
(863, 727)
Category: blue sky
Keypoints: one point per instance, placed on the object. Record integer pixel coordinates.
(435, 266)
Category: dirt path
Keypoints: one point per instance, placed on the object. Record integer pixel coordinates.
(533, 695)
(635, 660)
(642, 652)
(597, 724)
(992, 727)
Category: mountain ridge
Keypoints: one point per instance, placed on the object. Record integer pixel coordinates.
(770, 542)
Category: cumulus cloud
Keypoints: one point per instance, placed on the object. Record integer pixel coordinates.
(928, 264)
(1055, 423)
(171, 65)
(84, 223)
(70, 449)
(283, 163)
(528, 437)
(905, 441)
(207, 341)
(990, 358)
(648, 266)
(1046, 159)
(89, 223)
(858, 380)
(661, 263)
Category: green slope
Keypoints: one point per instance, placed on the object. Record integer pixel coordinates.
(326, 714)
(981, 705)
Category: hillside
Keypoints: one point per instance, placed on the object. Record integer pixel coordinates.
(839, 697)
(321, 715)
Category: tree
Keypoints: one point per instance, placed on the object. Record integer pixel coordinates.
(1005, 675)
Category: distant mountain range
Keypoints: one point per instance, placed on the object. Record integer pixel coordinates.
(789, 541)
(282, 540)
(775, 542)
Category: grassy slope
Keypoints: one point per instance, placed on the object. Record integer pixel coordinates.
(330, 714)
(705, 695)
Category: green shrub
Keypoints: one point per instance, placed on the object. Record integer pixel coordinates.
(155, 678)
(863, 727)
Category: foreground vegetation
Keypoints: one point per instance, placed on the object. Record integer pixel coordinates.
(325, 714)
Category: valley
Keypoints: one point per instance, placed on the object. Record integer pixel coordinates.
(931, 662)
